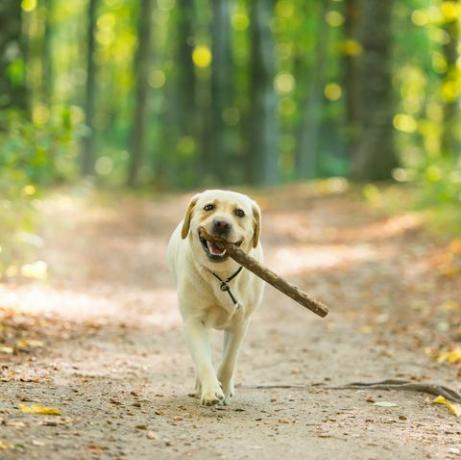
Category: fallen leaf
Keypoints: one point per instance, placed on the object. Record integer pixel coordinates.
(7, 376)
(15, 423)
(452, 356)
(38, 443)
(29, 343)
(455, 409)
(385, 404)
(6, 350)
(38, 409)
(450, 305)
(4, 445)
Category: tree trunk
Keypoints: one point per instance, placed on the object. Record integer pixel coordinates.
(221, 89)
(307, 151)
(262, 157)
(176, 162)
(47, 73)
(13, 90)
(375, 157)
(90, 92)
(450, 101)
(185, 81)
(141, 110)
(351, 80)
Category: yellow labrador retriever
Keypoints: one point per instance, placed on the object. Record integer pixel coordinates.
(213, 290)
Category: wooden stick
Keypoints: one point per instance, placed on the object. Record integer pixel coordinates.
(269, 276)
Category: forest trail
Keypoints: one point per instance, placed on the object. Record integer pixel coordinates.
(114, 362)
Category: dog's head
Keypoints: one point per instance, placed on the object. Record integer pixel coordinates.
(229, 215)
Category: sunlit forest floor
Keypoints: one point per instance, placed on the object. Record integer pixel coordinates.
(100, 339)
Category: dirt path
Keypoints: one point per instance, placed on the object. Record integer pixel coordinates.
(115, 363)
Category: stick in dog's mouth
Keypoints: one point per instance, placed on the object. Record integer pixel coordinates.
(215, 247)
(267, 275)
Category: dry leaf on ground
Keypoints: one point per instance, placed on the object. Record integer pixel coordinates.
(452, 357)
(29, 343)
(15, 423)
(385, 404)
(6, 350)
(38, 409)
(4, 445)
(454, 408)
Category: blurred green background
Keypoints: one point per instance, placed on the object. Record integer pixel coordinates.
(180, 94)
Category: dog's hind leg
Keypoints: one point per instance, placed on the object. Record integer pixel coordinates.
(196, 392)
(198, 386)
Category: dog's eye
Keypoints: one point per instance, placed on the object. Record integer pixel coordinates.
(239, 212)
(209, 207)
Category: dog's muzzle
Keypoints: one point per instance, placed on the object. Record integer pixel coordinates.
(214, 250)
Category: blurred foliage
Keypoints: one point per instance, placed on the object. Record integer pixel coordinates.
(421, 90)
(41, 152)
(440, 194)
(40, 147)
(434, 190)
(441, 182)
(32, 155)
(18, 218)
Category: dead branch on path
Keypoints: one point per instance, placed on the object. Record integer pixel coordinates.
(278, 386)
(269, 276)
(389, 384)
(405, 385)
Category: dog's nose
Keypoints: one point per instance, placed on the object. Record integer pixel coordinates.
(221, 227)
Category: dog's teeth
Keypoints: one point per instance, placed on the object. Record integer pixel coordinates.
(214, 250)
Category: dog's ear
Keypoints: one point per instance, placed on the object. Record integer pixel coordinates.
(188, 216)
(256, 224)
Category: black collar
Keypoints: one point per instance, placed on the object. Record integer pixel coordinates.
(225, 283)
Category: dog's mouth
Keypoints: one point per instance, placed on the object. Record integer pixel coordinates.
(215, 251)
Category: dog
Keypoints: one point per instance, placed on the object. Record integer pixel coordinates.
(213, 290)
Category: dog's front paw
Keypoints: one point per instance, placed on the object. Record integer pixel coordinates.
(227, 385)
(228, 389)
(212, 396)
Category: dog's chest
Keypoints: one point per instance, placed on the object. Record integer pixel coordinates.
(217, 317)
(219, 310)
(215, 306)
